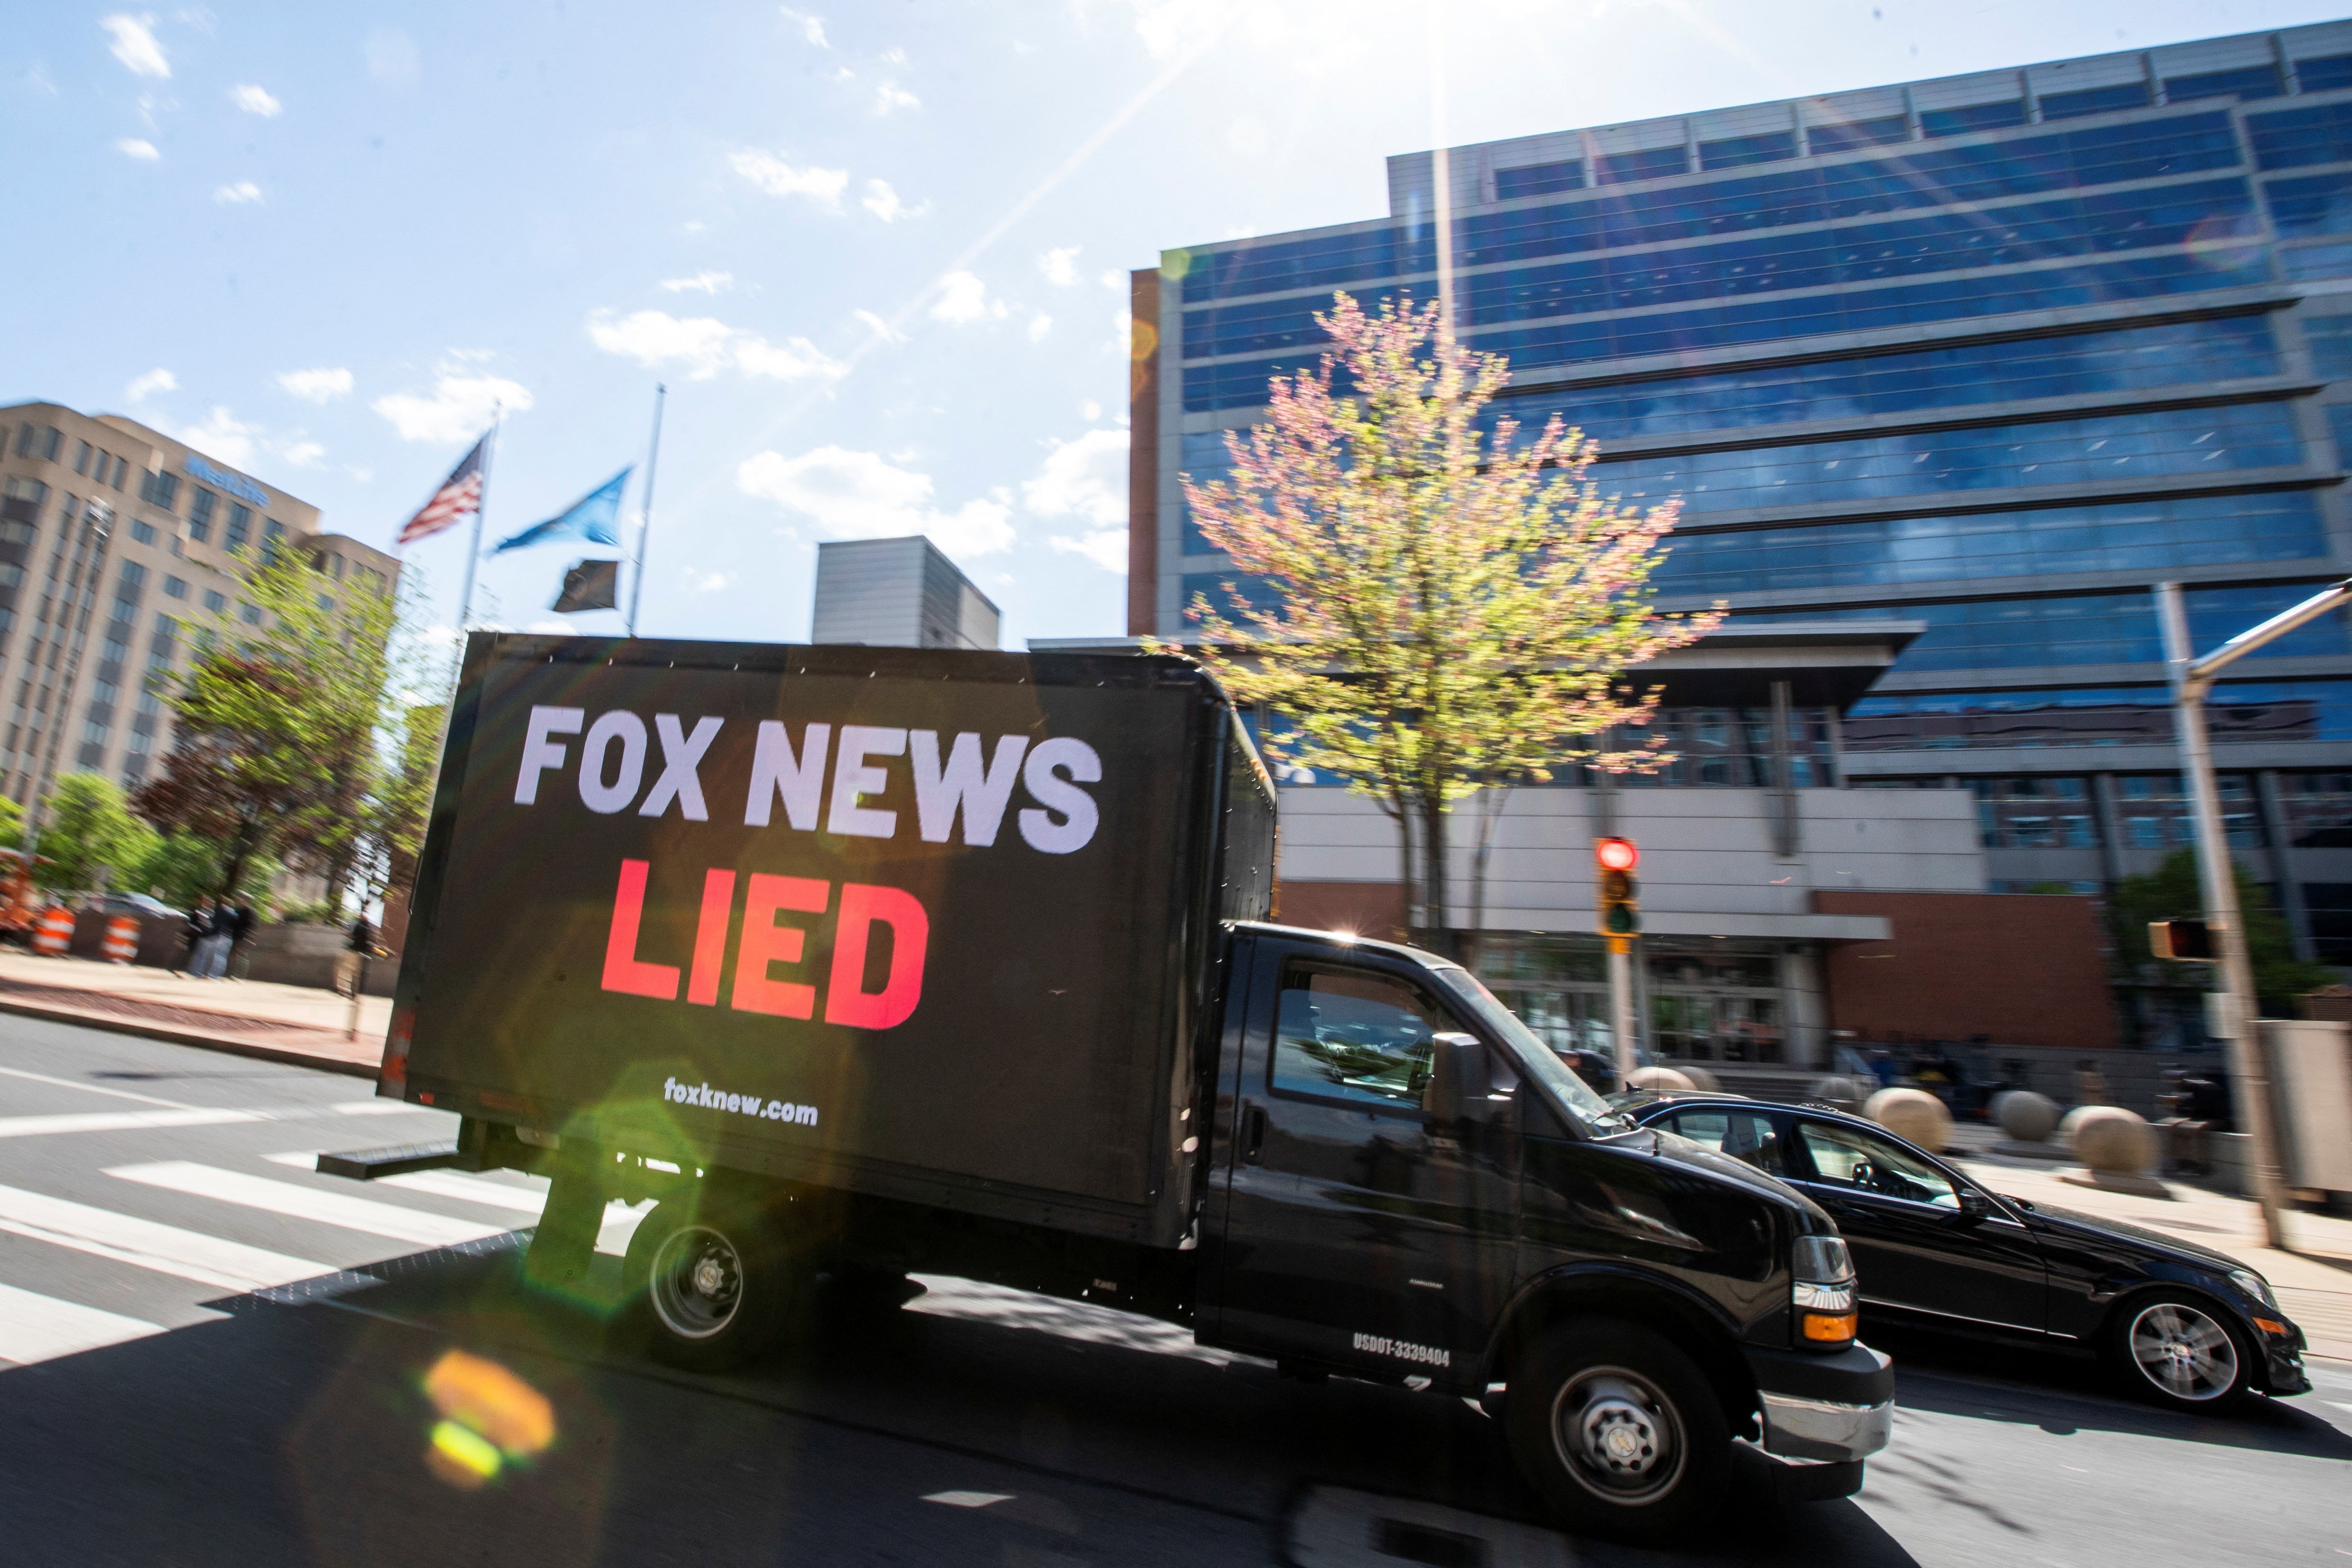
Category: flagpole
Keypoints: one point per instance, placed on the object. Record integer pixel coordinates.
(646, 526)
(474, 555)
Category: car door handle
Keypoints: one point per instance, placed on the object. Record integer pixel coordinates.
(1253, 1134)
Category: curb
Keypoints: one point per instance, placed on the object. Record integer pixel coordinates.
(115, 1022)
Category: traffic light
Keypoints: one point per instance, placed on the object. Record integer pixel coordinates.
(2183, 941)
(1616, 896)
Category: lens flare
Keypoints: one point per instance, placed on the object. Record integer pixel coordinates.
(461, 1458)
(489, 1417)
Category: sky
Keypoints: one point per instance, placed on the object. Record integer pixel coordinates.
(879, 254)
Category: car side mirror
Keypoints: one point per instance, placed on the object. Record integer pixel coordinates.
(1975, 1207)
(1459, 1080)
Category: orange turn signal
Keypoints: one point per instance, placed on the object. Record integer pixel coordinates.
(2268, 1327)
(1826, 1328)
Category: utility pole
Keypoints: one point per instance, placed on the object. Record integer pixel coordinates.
(646, 526)
(2192, 678)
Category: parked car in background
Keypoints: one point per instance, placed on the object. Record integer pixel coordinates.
(1934, 1250)
(140, 904)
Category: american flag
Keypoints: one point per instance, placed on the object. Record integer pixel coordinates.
(460, 494)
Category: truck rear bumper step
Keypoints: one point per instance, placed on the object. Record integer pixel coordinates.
(367, 1165)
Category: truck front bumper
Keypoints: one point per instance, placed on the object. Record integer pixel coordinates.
(1835, 1408)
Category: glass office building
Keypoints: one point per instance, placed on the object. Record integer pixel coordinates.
(1993, 354)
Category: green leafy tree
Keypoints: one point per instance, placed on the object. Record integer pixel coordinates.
(281, 720)
(89, 829)
(12, 824)
(183, 867)
(2172, 891)
(1451, 608)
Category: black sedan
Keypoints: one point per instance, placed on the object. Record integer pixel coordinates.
(2181, 1325)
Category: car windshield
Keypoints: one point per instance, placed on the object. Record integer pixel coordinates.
(1536, 1057)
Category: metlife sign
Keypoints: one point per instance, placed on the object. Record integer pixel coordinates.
(243, 489)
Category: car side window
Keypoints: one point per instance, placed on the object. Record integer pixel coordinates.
(1742, 1134)
(1849, 1157)
(1353, 1034)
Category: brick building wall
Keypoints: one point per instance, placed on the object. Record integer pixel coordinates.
(2021, 968)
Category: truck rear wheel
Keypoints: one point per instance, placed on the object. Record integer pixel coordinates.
(1619, 1431)
(707, 1284)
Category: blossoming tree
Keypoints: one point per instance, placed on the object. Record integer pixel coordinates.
(1438, 605)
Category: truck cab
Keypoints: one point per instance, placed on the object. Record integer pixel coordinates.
(1407, 1183)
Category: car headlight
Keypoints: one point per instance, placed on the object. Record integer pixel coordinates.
(2254, 1285)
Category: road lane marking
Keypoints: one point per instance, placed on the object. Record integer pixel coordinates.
(457, 1184)
(381, 1108)
(119, 1121)
(37, 1328)
(307, 1203)
(94, 1089)
(969, 1500)
(148, 1244)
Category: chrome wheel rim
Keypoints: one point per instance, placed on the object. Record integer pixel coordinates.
(698, 1282)
(2183, 1351)
(1619, 1434)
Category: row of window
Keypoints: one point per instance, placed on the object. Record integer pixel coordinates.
(2126, 536)
(2151, 810)
(2285, 710)
(1857, 254)
(1712, 747)
(1588, 340)
(2020, 166)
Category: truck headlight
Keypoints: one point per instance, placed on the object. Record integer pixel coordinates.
(1821, 1293)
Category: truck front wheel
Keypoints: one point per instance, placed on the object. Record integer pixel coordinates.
(707, 1287)
(1619, 1431)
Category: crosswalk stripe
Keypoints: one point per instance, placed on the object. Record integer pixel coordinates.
(465, 1188)
(35, 1328)
(94, 1088)
(146, 1243)
(117, 1121)
(305, 1203)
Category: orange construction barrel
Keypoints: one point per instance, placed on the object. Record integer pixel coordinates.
(55, 933)
(122, 939)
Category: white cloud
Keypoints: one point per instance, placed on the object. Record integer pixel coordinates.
(1084, 478)
(139, 148)
(708, 582)
(301, 452)
(254, 100)
(706, 346)
(146, 386)
(392, 56)
(1114, 279)
(862, 495)
(1106, 547)
(700, 283)
(1039, 325)
(242, 193)
(884, 203)
(963, 299)
(222, 435)
(1122, 333)
(321, 386)
(1060, 265)
(894, 55)
(891, 95)
(134, 44)
(812, 28)
(880, 328)
(459, 409)
(778, 178)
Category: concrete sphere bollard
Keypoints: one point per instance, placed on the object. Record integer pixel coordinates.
(1911, 1113)
(1700, 1079)
(2116, 1142)
(1841, 1093)
(2072, 1121)
(1659, 1081)
(2027, 1117)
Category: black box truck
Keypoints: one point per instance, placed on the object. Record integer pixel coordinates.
(871, 961)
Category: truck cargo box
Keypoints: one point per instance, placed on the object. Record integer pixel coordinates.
(925, 924)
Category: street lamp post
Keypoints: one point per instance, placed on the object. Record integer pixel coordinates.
(2192, 678)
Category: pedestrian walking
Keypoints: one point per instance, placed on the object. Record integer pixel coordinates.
(2090, 1083)
(200, 930)
(241, 921)
(350, 962)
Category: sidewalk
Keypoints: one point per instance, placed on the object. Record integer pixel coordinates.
(247, 1017)
(2314, 1282)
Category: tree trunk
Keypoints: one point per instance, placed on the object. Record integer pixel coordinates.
(1435, 934)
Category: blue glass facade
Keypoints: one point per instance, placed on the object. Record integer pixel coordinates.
(1995, 363)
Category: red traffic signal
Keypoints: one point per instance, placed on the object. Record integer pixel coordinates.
(1616, 896)
(1616, 854)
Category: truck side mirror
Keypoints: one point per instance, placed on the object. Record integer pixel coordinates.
(1459, 1080)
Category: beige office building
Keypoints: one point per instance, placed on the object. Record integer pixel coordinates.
(117, 542)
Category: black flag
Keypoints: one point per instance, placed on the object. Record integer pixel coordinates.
(590, 585)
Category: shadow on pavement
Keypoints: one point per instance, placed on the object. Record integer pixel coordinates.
(2063, 1395)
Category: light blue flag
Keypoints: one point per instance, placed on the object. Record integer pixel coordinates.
(593, 517)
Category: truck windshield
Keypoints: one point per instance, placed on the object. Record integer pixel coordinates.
(1535, 1056)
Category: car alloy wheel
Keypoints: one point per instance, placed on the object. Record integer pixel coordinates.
(697, 1282)
(1619, 1435)
(2183, 1352)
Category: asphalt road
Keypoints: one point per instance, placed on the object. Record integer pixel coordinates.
(181, 1402)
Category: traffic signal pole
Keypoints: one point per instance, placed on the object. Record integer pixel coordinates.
(2192, 678)
(1617, 912)
(1621, 1004)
